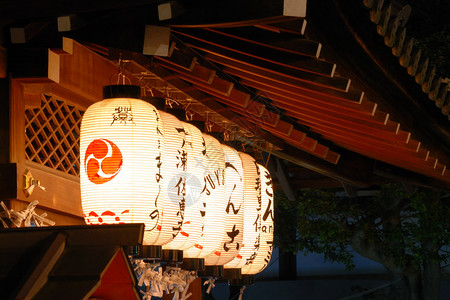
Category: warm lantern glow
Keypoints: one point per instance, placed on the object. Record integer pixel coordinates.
(173, 173)
(252, 213)
(214, 203)
(121, 147)
(193, 222)
(266, 236)
(234, 219)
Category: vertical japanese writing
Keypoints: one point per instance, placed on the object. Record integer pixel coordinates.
(233, 177)
(204, 147)
(158, 176)
(268, 212)
(231, 204)
(181, 191)
(181, 160)
(211, 181)
(158, 158)
(269, 253)
(231, 234)
(258, 185)
(203, 211)
(257, 222)
(255, 251)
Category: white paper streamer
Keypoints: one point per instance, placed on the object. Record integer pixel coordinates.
(25, 216)
(172, 281)
(241, 292)
(210, 281)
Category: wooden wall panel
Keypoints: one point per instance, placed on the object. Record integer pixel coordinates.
(62, 191)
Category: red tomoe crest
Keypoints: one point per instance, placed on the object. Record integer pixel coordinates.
(103, 161)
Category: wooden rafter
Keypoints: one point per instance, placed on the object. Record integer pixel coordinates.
(255, 112)
(241, 59)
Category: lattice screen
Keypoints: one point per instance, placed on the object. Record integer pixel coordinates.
(52, 135)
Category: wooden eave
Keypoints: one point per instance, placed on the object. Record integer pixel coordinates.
(308, 96)
(325, 96)
(80, 262)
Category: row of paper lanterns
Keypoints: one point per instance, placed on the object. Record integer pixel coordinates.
(142, 165)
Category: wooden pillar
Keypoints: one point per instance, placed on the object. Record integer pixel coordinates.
(4, 120)
(287, 261)
(287, 264)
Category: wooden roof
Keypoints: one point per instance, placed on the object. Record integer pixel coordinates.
(330, 91)
(73, 262)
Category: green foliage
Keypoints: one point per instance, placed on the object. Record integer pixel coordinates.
(395, 227)
(429, 26)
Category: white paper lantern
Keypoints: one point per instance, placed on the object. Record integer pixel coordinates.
(252, 213)
(234, 219)
(194, 216)
(121, 149)
(214, 203)
(262, 259)
(173, 173)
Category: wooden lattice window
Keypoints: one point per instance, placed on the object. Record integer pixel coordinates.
(52, 135)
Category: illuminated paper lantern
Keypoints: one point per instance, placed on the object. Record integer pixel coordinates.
(262, 259)
(173, 173)
(234, 219)
(252, 213)
(121, 148)
(214, 203)
(194, 216)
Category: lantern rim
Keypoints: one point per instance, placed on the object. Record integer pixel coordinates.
(121, 91)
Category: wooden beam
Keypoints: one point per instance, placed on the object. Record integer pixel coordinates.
(304, 80)
(221, 90)
(304, 143)
(156, 40)
(352, 95)
(357, 141)
(352, 168)
(280, 41)
(402, 175)
(213, 105)
(278, 170)
(334, 114)
(227, 13)
(404, 159)
(69, 22)
(362, 109)
(169, 10)
(56, 90)
(37, 277)
(68, 69)
(22, 34)
(3, 62)
(309, 70)
(296, 26)
(372, 65)
(287, 53)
